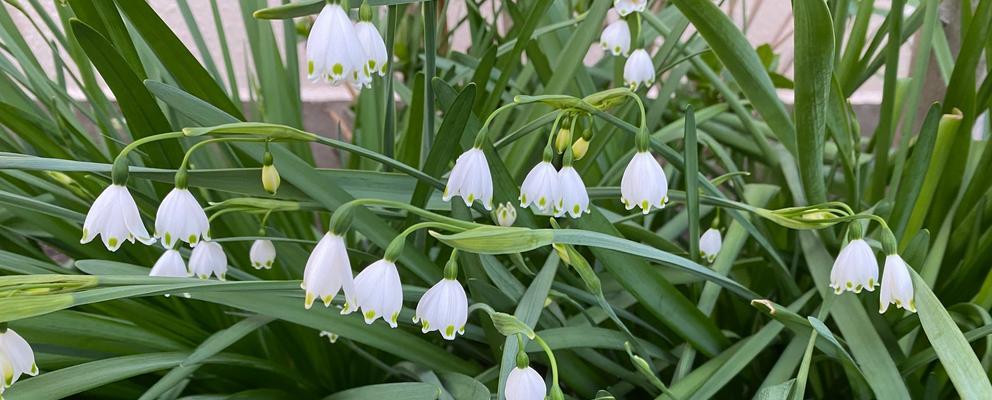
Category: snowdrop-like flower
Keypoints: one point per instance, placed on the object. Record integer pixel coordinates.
(262, 254)
(374, 46)
(506, 214)
(639, 69)
(443, 308)
(541, 187)
(114, 216)
(470, 179)
(169, 264)
(855, 268)
(208, 258)
(378, 292)
(710, 243)
(897, 285)
(644, 183)
(525, 384)
(625, 7)
(616, 38)
(334, 53)
(328, 270)
(16, 358)
(331, 336)
(574, 198)
(180, 218)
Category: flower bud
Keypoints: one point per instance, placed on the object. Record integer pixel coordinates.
(563, 139)
(579, 148)
(506, 214)
(270, 175)
(497, 240)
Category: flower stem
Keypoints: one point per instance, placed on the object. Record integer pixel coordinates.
(118, 174)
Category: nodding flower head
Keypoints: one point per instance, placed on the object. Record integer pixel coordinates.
(625, 7)
(208, 258)
(639, 69)
(897, 285)
(328, 271)
(710, 243)
(443, 308)
(470, 179)
(169, 264)
(262, 254)
(525, 384)
(180, 218)
(855, 268)
(378, 293)
(616, 38)
(375, 47)
(16, 358)
(644, 183)
(114, 217)
(541, 189)
(575, 199)
(334, 51)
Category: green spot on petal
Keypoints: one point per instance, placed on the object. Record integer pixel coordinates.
(449, 331)
(337, 69)
(309, 67)
(576, 209)
(370, 315)
(191, 239)
(113, 242)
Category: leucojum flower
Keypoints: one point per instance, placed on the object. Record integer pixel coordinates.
(639, 69)
(855, 268)
(180, 218)
(616, 38)
(208, 258)
(506, 214)
(444, 307)
(524, 383)
(16, 358)
(710, 243)
(262, 254)
(378, 292)
(644, 183)
(470, 179)
(169, 264)
(541, 189)
(625, 7)
(334, 52)
(114, 217)
(897, 285)
(328, 271)
(371, 41)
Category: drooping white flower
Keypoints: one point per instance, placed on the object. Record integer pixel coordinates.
(625, 7)
(114, 217)
(897, 285)
(855, 268)
(169, 264)
(574, 198)
(470, 179)
(374, 46)
(710, 243)
(331, 336)
(639, 69)
(208, 258)
(616, 38)
(542, 188)
(506, 214)
(443, 308)
(262, 254)
(328, 270)
(378, 293)
(644, 183)
(525, 384)
(16, 358)
(334, 53)
(180, 218)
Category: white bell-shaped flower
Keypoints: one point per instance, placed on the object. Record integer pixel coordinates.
(855, 268)
(334, 52)
(616, 38)
(378, 293)
(16, 358)
(639, 69)
(114, 217)
(328, 271)
(542, 189)
(525, 384)
(169, 264)
(443, 308)
(470, 179)
(897, 285)
(180, 218)
(644, 183)
(262, 254)
(710, 243)
(506, 214)
(574, 198)
(374, 46)
(331, 336)
(208, 258)
(625, 7)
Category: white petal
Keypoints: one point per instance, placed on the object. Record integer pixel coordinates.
(208, 258)
(616, 38)
(897, 285)
(317, 44)
(644, 183)
(541, 188)
(262, 254)
(625, 7)
(180, 218)
(443, 308)
(379, 292)
(639, 69)
(575, 199)
(710, 243)
(328, 270)
(471, 179)
(855, 268)
(16, 357)
(169, 264)
(375, 47)
(525, 384)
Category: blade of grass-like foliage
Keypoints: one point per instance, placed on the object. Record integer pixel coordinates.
(506, 64)
(887, 117)
(912, 180)
(946, 131)
(956, 355)
(310, 7)
(814, 51)
(395, 391)
(740, 59)
(429, 9)
(692, 185)
(446, 144)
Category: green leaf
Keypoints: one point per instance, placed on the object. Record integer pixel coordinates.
(393, 391)
(814, 51)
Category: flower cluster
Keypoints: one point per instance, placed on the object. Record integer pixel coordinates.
(339, 50)
(616, 39)
(856, 269)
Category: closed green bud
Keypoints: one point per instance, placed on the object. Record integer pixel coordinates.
(497, 240)
(579, 148)
(270, 175)
(563, 140)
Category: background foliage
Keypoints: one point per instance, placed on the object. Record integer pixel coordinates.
(781, 333)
